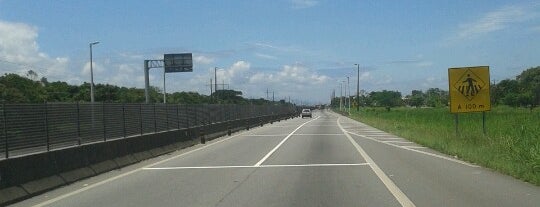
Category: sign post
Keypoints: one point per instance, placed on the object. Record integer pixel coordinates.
(469, 91)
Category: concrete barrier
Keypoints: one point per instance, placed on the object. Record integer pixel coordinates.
(20, 170)
(21, 177)
(10, 194)
(125, 160)
(43, 184)
(77, 174)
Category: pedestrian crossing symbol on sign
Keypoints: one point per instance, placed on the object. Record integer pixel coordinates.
(469, 85)
(469, 89)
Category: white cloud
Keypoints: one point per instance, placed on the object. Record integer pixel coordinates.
(495, 21)
(302, 4)
(265, 56)
(19, 48)
(201, 59)
(290, 75)
(125, 75)
(97, 68)
(273, 47)
(434, 82)
(415, 63)
(384, 80)
(237, 73)
(365, 76)
(424, 64)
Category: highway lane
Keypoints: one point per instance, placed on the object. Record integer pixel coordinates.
(300, 162)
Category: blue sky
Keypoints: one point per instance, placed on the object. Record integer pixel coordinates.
(297, 48)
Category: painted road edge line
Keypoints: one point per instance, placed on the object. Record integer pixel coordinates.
(412, 150)
(282, 141)
(415, 150)
(53, 200)
(260, 166)
(390, 185)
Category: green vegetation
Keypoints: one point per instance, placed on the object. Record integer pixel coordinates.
(32, 89)
(511, 144)
(523, 91)
(512, 141)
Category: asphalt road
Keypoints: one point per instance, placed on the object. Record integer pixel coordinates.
(328, 160)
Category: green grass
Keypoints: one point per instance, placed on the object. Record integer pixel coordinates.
(511, 144)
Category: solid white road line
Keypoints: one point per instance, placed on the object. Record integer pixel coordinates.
(53, 200)
(388, 138)
(398, 142)
(390, 185)
(380, 135)
(319, 135)
(282, 141)
(263, 135)
(252, 166)
(415, 147)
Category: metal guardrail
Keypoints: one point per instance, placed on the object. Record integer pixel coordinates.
(32, 128)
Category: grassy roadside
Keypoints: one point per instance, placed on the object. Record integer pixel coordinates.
(511, 144)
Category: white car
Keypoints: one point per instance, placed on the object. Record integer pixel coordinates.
(306, 113)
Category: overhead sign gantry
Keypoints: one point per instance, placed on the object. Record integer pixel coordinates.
(171, 63)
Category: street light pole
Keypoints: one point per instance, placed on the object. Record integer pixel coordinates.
(92, 73)
(215, 83)
(340, 95)
(358, 87)
(348, 92)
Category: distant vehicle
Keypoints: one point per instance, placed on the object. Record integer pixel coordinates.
(306, 113)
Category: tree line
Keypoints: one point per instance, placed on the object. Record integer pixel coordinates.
(522, 91)
(32, 89)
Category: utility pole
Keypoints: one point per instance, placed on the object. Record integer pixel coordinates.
(215, 81)
(340, 95)
(267, 98)
(358, 87)
(211, 91)
(332, 97)
(164, 89)
(348, 94)
(272, 96)
(92, 73)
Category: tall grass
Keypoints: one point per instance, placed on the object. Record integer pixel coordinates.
(511, 144)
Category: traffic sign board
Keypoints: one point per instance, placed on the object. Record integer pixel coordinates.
(182, 62)
(469, 89)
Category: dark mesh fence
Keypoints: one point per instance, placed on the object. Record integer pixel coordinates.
(113, 120)
(183, 116)
(172, 117)
(26, 128)
(91, 123)
(31, 128)
(148, 121)
(161, 117)
(132, 119)
(3, 144)
(192, 118)
(62, 124)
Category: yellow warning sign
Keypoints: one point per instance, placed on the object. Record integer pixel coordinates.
(469, 89)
